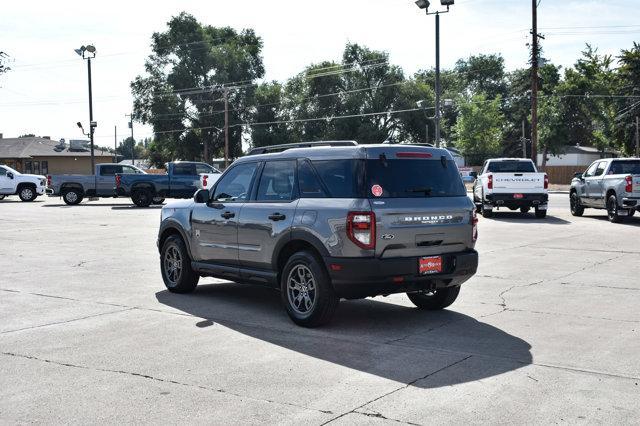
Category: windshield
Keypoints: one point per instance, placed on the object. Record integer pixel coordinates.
(625, 167)
(511, 167)
(9, 169)
(413, 179)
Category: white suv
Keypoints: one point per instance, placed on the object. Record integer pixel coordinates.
(27, 187)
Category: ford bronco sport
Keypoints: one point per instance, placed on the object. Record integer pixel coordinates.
(324, 221)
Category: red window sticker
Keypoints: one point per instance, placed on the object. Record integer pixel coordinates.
(376, 190)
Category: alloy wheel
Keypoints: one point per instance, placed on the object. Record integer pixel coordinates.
(173, 264)
(301, 289)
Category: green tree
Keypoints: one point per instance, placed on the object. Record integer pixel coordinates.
(628, 105)
(191, 66)
(479, 128)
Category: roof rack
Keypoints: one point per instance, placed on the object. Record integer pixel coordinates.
(273, 148)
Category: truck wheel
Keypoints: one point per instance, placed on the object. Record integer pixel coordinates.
(524, 209)
(541, 214)
(72, 196)
(612, 210)
(486, 213)
(157, 200)
(630, 214)
(306, 290)
(574, 202)
(435, 299)
(175, 265)
(142, 197)
(27, 193)
(2, 197)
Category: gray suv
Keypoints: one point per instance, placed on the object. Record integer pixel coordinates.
(324, 221)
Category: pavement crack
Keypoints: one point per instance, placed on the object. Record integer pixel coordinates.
(66, 321)
(159, 379)
(411, 383)
(380, 416)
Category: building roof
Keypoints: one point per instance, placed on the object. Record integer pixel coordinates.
(41, 147)
(577, 149)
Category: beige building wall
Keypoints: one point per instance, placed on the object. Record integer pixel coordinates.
(72, 165)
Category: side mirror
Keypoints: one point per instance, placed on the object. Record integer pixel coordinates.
(10, 175)
(578, 175)
(201, 196)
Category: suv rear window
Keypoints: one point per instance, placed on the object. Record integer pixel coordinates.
(511, 167)
(414, 178)
(625, 167)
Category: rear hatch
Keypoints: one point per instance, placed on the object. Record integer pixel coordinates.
(420, 203)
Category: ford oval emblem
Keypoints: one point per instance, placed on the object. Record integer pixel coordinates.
(388, 237)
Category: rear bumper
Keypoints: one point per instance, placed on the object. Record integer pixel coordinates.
(508, 200)
(364, 277)
(631, 202)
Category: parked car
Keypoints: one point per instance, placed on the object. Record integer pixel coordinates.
(513, 183)
(207, 180)
(328, 222)
(612, 184)
(181, 181)
(25, 186)
(74, 187)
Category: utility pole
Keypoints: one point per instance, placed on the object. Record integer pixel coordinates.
(523, 139)
(534, 82)
(115, 143)
(437, 80)
(133, 141)
(226, 127)
(637, 137)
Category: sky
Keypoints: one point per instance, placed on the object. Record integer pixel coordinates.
(46, 93)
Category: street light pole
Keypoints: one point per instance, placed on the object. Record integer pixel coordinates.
(133, 141)
(88, 52)
(424, 4)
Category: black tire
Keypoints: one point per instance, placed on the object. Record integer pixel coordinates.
(2, 197)
(524, 209)
(157, 200)
(486, 213)
(630, 214)
(574, 204)
(142, 197)
(541, 214)
(435, 300)
(175, 265)
(72, 196)
(27, 193)
(612, 210)
(310, 284)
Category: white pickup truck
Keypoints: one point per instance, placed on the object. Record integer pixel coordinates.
(513, 183)
(208, 179)
(27, 187)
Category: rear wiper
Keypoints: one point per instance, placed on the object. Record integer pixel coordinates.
(425, 190)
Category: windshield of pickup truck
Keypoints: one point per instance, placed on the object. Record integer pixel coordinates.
(511, 167)
(625, 167)
(413, 178)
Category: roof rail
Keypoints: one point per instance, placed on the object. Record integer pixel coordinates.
(274, 148)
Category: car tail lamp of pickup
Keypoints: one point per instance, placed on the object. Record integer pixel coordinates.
(49, 181)
(490, 182)
(628, 180)
(361, 229)
(204, 181)
(118, 181)
(546, 182)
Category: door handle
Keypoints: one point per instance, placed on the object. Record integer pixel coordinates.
(228, 215)
(277, 216)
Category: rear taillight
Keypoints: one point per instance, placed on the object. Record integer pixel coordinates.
(546, 182)
(490, 182)
(474, 226)
(628, 184)
(118, 180)
(204, 181)
(49, 180)
(361, 229)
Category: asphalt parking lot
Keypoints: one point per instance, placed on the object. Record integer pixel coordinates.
(547, 331)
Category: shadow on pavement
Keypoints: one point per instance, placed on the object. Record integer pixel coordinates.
(5, 201)
(384, 339)
(517, 217)
(629, 221)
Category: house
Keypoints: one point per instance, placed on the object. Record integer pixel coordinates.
(42, 156)
(577, 156)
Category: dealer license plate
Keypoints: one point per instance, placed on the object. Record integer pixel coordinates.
(430, 265)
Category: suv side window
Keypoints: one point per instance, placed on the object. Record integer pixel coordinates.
(277, 182)
(591, 170)
(235, 184)
(600, 169)
(308, 182)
